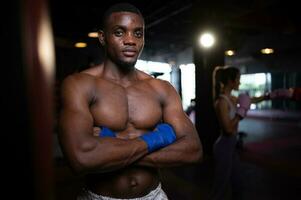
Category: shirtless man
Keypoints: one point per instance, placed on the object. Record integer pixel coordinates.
(119, 125)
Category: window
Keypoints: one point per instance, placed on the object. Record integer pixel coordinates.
(256, 85)
(157, 69)
(163, 71)
(187, 83)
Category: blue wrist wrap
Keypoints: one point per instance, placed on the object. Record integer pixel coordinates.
(106, 132)
(164, 135)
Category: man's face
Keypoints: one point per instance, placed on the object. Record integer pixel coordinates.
(124, 37)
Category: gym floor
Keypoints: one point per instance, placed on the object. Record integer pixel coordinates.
(270, 156)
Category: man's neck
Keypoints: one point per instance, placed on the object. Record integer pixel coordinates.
(118, 73)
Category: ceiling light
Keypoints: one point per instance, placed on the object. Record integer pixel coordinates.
(267, 51)
(93, 34)
(80, 45)
(207, 40)
(230, 53)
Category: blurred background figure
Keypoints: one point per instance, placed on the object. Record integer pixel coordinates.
(290, 94)
(190, 111)
(230, 110)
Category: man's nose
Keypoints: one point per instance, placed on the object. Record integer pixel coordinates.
(129, 39)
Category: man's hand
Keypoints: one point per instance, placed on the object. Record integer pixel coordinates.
(103, 131)
(162, 136)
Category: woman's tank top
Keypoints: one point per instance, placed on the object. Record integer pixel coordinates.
(231, 106)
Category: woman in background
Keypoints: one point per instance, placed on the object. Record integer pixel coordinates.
(230, 110)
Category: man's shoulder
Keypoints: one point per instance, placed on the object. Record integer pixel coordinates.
(85, 75)
(160, 83)
(156, 83)
(143, 76)
(78, 76)
(163, 83)
(77, 79)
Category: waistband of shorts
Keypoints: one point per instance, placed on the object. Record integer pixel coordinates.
(150, 194)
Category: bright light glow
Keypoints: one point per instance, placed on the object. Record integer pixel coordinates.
(230, 53)
(267, 51)
(258, 93)
(207, 40)
(93, 35)
(46, 48)
(187, 83)
(80, 45)
(253, 106)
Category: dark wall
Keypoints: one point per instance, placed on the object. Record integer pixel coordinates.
(16, 147)
(205, 61)
(27, 103)
(70, 59)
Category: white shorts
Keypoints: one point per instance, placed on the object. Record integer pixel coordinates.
(156, 194)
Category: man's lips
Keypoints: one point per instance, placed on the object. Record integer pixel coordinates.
(129, 52)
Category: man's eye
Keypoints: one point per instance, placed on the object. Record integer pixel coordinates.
(138, 34)
(118, 33)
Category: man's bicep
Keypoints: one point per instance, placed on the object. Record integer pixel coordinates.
(75, 105)
(174, 115)
(76, 121)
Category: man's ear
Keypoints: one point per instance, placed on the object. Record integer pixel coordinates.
(101, 37)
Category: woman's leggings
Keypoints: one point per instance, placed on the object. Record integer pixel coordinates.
(227, 169)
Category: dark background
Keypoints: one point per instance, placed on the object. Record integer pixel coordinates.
(172, 28)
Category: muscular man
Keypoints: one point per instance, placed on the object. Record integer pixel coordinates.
(143, 125)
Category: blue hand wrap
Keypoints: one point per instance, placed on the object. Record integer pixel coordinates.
(164, 135)
(106, 132)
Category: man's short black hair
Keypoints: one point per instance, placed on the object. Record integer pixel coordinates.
(119, 7)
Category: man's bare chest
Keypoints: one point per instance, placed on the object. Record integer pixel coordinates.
(139, 106)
